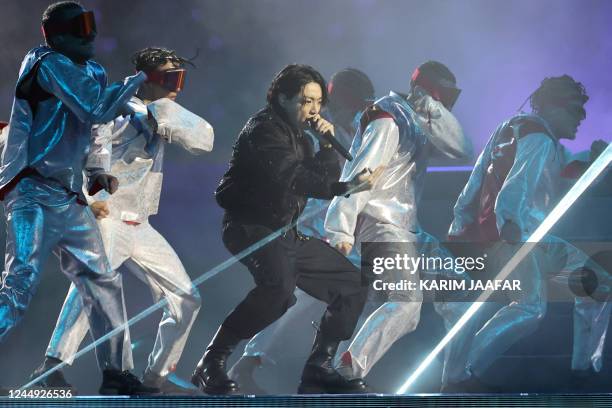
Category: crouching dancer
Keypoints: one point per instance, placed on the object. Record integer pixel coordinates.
(272, 173)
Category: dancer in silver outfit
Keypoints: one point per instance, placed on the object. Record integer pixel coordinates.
(137, 157)
(60, 93)
(400, 133)
(533, 183)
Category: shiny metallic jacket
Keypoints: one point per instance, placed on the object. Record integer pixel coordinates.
(532, 187)
(55, 138)
(403, 145)
(138, 151)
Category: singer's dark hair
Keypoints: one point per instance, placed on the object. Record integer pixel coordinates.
(290, 81)
(150, 58)
(557, 91)
(55, 11)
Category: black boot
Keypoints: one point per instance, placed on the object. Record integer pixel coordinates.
(319, 375)
(210, 375)
(115, 382)
(54, 380)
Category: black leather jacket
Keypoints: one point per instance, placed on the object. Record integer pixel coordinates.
(273, 171)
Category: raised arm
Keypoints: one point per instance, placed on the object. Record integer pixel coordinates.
(444, 130)
(178, 125)
(87, 97)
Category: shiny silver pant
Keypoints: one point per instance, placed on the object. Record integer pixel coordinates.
(146, 253)
(481, 341)
(398, 315)
(42, 216)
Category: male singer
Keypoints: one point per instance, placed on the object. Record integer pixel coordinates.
(272, 172)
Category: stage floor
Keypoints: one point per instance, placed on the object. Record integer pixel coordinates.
(369, 400)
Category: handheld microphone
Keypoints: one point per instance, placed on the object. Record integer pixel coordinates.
(328, 138)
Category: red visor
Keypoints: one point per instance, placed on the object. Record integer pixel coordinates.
(3, 124)
(441, 90)
(83, 25)
(172, 79)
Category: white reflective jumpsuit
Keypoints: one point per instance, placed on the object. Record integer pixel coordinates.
(532, 187)
(137, 156)
(387, 213)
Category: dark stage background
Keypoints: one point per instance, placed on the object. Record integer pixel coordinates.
(499, 52)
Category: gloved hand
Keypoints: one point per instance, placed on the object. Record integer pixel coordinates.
(103, 181)
(365, 180)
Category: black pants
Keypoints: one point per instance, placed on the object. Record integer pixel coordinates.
(281, 265)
